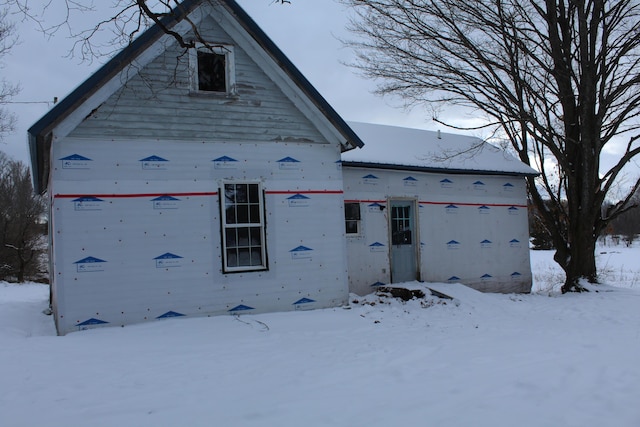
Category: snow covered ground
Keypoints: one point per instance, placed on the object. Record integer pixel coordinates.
(481, 360)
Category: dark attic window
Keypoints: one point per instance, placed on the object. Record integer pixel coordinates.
(212, 72)
(212, 69)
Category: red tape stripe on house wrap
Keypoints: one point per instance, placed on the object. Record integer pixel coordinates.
(505, 205)
(202, 194)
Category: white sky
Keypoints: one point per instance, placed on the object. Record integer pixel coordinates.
(306, 31)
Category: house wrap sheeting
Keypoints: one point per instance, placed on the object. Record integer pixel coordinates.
(436, 207)
(137, 230)
(172, 196)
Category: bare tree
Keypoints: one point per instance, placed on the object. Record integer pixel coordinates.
(7, 90)
(127, 19)
(559, 79)
(21, 222)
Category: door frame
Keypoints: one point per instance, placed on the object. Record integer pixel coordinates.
(415, 234)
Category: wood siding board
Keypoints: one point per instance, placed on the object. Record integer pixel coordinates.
(157, 102)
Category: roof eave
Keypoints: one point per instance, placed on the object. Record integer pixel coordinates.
(40, 131)
(372, 165)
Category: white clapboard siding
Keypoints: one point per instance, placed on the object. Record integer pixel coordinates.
(157, 103)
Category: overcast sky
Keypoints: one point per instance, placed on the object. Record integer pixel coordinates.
(306, 31)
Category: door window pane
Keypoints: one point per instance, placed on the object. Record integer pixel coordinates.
(400, 225)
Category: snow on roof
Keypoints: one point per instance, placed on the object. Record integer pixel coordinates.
(423, 149)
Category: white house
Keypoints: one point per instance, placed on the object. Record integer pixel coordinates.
(210, 181)
(435, 207)
(193, 183)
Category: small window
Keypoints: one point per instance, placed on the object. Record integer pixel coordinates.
(243, 236)
(352, 218)
(212, 72)
(212, 69)
(401, 225)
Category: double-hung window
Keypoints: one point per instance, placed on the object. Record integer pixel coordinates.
(212, 69)
(243, 227)
(352, 218)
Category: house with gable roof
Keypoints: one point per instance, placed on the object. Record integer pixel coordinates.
(434, 207)
(218, 181)
(193, 183)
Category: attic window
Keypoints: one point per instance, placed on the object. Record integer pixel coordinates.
(212, 69)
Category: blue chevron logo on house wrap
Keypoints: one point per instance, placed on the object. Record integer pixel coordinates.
(377, 247)
(154, 158)
(513, 210)
(514, 243)
(377, 284)
(453, 244)
(410, 181)
(288, 163)
(90, 265)
(240, 308)
(298, 201)
(304, 304)
(168, 260)
(446, 183)
(91, 322)
(75, 161)
(451, 209)
(484, 210)
(154, 163)
(486, 277)
(508, 186)
(87, 203)
(88, 199)
(224, 159)
(370, 179)
(453, 279)
(76, 157)
(170, 314)
(301, 252)
(225, 162)
(288, 160)
(165, 197)
(486, 244)
(515, 275)
(165, 202)
(375, 207)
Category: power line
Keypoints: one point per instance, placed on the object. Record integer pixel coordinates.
(30, 102)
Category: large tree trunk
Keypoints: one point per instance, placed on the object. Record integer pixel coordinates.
(578, 262)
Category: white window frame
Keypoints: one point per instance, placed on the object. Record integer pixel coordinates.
(232, 229)
(230, 67)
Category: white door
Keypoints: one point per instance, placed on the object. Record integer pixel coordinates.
(403, 241)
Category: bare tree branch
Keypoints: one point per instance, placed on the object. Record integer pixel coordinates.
(560, 79)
